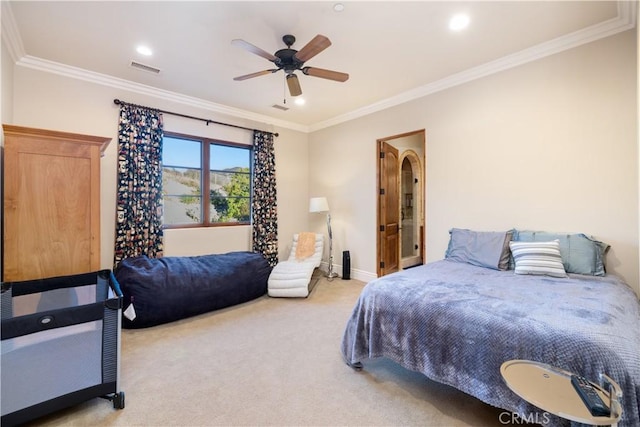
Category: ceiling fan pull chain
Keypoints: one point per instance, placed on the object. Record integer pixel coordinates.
(284, 91)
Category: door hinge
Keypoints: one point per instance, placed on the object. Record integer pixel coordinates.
(382, 191)
(382, 228)
(381, 264)
(382, 154)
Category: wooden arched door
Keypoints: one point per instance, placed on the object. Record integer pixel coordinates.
(389, 226)
(388, 210)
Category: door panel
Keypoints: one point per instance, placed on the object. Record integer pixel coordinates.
(411, 222)
(389, 210)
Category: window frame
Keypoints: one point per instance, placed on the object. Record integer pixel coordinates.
(205, 177)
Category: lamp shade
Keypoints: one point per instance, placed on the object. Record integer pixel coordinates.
(318, 204)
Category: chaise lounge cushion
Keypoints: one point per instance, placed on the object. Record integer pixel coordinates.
(171, 288)
(292, 278)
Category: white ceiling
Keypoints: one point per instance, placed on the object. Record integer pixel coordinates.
(393, 50)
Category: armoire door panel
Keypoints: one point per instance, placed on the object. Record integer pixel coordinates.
(51, 203)
(55, 215)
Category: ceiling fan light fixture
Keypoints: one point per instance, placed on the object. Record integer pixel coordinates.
(294, 85)
(300, 101)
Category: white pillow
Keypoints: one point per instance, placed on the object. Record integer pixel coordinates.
(541, 258)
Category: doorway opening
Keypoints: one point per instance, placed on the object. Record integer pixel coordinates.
(411, 229)
(401, 202)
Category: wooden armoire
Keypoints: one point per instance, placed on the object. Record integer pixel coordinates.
(51, 203)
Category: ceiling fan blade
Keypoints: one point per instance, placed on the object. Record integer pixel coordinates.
(314, 47)
(294, 85)
(325, 74)
(253, 49)
(252, 75)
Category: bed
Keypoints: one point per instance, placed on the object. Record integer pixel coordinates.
(457, 322)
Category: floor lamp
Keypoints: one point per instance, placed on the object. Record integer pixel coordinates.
(319, 205)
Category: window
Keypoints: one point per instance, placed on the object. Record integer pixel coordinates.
(205, 182)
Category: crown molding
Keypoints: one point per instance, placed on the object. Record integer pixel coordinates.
(13, 43)
(122, 84)
(625, 20)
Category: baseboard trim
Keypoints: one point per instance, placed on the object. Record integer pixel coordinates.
(361, 275)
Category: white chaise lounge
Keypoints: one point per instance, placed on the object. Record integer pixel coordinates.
(292, 278)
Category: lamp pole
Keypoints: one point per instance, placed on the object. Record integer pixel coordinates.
(330, 273)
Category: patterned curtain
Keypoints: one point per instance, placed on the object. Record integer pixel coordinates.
(264, 205)
(139, 198)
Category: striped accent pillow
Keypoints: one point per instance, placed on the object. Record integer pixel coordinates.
(542, 258)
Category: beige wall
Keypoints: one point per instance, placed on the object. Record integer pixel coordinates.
(638, 112)
(550, 145)
(49, 101)
(6, 105)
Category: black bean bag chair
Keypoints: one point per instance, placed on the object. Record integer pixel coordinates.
(171, 288)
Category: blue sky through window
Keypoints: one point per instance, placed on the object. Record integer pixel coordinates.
(186, 153)
(223, 157)
(181, 152)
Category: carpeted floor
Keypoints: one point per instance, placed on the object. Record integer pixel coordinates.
(269, 362)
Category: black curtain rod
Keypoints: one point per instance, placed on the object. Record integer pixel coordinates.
(207, 121)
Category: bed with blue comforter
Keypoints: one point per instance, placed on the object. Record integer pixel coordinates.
(457, 323)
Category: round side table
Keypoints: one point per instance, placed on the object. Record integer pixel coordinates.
(550, 389)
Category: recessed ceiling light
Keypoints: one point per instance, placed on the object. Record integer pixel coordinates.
(338, 7)
(144, 50)
(299, 101)
(459, 22)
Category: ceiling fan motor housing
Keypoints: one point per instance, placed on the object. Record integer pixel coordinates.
(287, 60)
(286, 57)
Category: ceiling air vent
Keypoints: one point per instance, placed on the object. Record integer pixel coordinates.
(143, 67)
(280, 107)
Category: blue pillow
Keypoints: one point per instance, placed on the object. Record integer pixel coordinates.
(580, 253)
(488, 249)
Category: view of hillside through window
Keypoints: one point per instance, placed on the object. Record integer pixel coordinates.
(228, 170)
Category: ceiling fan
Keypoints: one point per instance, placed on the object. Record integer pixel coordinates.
(291, 60)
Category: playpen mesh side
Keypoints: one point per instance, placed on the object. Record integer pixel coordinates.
(6, 305)
(40, 366)
(111, 331)
(110, 346)
(56, 362)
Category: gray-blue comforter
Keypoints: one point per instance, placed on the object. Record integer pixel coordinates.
(457, 323)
